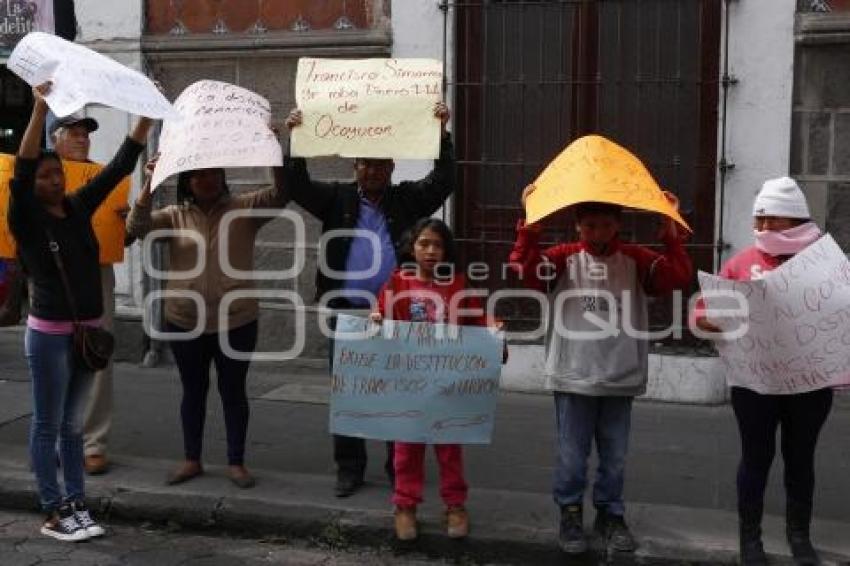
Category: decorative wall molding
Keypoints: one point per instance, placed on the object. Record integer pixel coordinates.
(274, 44)
(822, 28)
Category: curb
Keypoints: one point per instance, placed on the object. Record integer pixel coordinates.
(339, 527)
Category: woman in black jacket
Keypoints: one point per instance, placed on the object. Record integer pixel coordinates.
(43, 219)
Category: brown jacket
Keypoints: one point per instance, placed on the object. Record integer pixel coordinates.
(212, 284)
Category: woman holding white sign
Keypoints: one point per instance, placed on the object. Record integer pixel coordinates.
(193, 320)
(782, 228)
(58, 246)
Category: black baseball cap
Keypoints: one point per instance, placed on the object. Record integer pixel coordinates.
(89, 124)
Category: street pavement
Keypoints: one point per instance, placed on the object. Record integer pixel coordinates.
(146, 545)
(679, 490)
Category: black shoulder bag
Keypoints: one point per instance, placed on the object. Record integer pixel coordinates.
(92, 346)
(10, 311)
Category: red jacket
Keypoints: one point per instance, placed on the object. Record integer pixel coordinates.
(403, 287)
(748, 264)
(657, 273)
(580, 356)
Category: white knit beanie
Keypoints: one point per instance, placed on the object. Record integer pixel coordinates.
(781, 197)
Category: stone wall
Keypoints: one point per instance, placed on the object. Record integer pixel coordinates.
(820, 145)
(268, 68)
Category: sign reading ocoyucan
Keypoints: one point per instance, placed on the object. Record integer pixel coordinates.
(378, 108)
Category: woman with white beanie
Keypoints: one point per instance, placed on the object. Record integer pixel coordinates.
(782, 228)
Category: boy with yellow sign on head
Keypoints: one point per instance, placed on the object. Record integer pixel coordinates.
(596, 351)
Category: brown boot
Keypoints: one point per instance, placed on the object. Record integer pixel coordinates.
(405, 523)
(188, 470)
(457, 521)
(241, 477)
(96, 464)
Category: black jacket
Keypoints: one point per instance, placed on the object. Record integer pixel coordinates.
(336, 205)
(78, 247)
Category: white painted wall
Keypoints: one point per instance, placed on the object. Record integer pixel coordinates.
(100, 20)
(672, 378)
(761, 56)
(115, 32)
(417, 28)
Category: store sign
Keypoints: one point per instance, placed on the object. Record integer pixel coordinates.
(20, 17)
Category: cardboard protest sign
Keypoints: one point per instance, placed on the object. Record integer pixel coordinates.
(217, 125)
(593, 168)
(81, 76)
(379, 108)
(108, 224)
(797, 335)
(415, 382)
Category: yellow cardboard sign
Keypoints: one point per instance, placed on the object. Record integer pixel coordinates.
(595, 169)
(107, 221)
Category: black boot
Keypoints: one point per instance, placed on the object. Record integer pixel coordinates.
(798, 517)
(752, 551)
(571, 536)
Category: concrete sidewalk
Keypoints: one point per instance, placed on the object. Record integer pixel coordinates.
(679, 484)
(507, 527)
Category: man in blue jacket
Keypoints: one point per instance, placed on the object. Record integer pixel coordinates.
(370, 203)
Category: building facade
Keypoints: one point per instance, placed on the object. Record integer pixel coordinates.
(714, 95)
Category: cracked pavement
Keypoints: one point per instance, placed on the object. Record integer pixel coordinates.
(21, 544)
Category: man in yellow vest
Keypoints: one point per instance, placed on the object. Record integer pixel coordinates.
(70, 136)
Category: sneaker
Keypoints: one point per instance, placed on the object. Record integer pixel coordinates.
(405, 523)
(614, 530)
(571, 536)
(85, 520)
(62, 525)
(457, 521)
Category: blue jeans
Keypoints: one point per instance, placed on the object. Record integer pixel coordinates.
(60, 392)
(580, 419)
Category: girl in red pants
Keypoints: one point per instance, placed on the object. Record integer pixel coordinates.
(421, 292)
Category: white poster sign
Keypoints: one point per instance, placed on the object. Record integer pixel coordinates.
(81, 76)
(379, 108)
(218, 125)
(794, 334)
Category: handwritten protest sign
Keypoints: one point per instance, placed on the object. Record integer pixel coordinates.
(593, 168)
(81, 76)
(218, 125)
(415, 382)
(379, 108)
(108, 224)
(798, 334)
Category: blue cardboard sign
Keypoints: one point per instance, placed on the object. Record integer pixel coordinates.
(414, 381)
